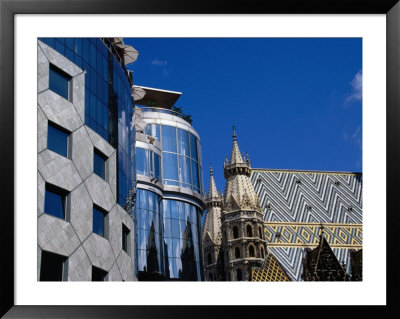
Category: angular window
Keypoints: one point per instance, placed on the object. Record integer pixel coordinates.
(57, 139)
(209, 259)
(99, 163)
(53, 267)
(55, 201)
(100, 221)
(98, 274)
(262, 252)
(260, 232)
(125, 238)
(59, 82)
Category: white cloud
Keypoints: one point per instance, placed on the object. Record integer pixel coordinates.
(356, 83)
(159, 62)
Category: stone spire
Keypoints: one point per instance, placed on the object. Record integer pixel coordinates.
(212, 224)
(235, 156)
(239, 192)
(212, 191)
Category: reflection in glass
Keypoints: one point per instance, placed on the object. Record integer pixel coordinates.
(157, 167)
(170, 166)
(142, 166)
(169, 138)
(183, 142)
(153, 130)
(184, 170)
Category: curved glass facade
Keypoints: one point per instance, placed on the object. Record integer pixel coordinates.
(108, 101)
(148, 219)
(181, 156)
(167, 237)
(182, 240)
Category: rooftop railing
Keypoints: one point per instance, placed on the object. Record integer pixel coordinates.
(166, 111)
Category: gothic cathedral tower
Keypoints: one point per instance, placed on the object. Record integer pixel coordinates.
(211, 237)
(243, 239)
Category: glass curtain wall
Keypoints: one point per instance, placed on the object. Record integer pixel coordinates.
(108, 102)
(181, 241)
(181, 156)
(148, 232)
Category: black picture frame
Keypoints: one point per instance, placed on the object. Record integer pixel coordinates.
(8, 10)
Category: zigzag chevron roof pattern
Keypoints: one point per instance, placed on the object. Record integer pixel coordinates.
(287, 196)
(308, 197)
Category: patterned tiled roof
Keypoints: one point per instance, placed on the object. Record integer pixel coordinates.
(297, 203)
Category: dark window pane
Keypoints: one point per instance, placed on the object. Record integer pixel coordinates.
(51, 267)
(193, 147)
(54, 202)
(98, 221)
(99, 163)
(98, 274)
(57, 140)
(59, 82)
(125, 237)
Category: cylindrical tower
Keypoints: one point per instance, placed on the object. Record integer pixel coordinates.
(169, 201)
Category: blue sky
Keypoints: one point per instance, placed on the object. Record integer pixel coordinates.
(295, 103)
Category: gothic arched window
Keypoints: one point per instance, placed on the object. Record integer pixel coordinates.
(237, 252)
(209, 259)
(262, 252)
(251, 251)
(249, 231)
(260, 231)
(239, 275)
(235, 232)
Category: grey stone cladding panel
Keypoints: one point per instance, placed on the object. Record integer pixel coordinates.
(59, 110)
(40, 195)
(59, 60)
(43, 70)
(126, 266)
(99, 251)
(56, 235)
(42, 130)
(100, 143)
(81, 212)
(114, 274)
(79, 266)
(82, 152)
(100, 192)
(115, 230)
(58, 170)
(128, 222)
(112, 173)
(78, 94)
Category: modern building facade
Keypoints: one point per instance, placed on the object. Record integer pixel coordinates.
(85, 231)
(169, 202)
(311, 223)
(119, 185)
